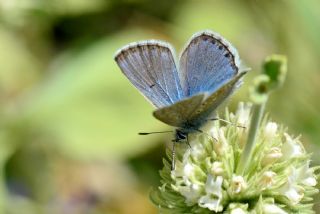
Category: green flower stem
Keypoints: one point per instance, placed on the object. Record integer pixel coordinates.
(273, 76)
(257, 114)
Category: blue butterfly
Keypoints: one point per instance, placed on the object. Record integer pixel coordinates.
(208, 72)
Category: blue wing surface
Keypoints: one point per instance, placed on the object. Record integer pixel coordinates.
(207, 63)
(150, 67)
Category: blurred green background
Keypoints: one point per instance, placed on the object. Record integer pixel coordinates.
(69, 118)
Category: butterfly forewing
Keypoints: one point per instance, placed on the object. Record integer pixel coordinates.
(207, 62)
(150, 66)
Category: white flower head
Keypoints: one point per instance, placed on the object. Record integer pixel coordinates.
(206, 177)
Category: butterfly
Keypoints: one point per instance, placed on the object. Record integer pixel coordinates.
(186, 94)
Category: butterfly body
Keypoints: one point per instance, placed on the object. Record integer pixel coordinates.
(208, 73)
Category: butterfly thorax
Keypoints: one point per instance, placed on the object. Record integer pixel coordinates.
(181, 134)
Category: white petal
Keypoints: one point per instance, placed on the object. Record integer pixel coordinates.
(214, 186)
(311, 181)
(293, 192)
(267, 179)
(270, 130)
(213, 196)
(238, 184)
(305, 175)
(221, 145)
(217, 168)
(273, 209)
(272, 156)
(291, 148)
(191, 193)
(238, 211)
(210, 203)
(243, 113)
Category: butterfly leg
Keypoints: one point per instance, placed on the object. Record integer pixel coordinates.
(173, 162)
(188, 142)
(226, 121)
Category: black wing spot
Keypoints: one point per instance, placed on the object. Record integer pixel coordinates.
(220, 47)
(151, 86)
(227, 55)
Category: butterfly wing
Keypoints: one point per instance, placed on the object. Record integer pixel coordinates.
(150, 67)
(207, 63)
(177, 114)
(191, 112)
(198, 117)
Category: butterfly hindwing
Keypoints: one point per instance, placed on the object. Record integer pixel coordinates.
(178, 113)
(211, 103)
(207, 62)
(150, 67)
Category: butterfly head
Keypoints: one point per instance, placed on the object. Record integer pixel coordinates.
(180, 135)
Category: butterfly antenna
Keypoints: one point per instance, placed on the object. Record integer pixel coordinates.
(200, 131)
(147, 133)
(228, 122)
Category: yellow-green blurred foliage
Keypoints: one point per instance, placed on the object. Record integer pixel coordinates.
(69, 118)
